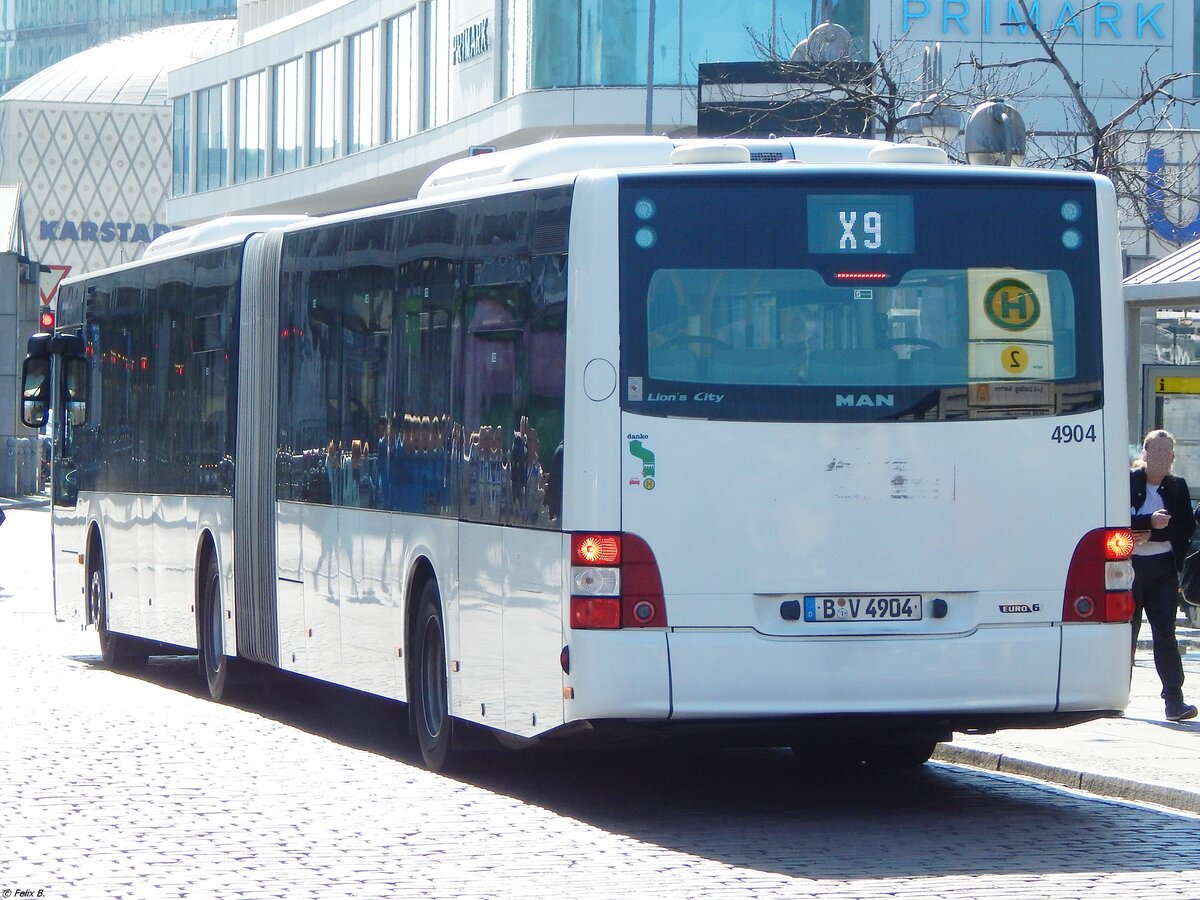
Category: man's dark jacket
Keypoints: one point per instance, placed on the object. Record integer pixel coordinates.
(1176, 501)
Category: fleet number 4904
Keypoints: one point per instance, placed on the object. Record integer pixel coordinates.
(1073, 434)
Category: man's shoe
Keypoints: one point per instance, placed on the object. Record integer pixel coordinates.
(1177, 710)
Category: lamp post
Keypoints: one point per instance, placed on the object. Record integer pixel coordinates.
(928, 121)
(650, 72)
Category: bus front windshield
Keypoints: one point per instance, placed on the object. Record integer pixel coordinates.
(905, 297)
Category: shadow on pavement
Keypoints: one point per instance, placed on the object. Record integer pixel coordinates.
(757, 809)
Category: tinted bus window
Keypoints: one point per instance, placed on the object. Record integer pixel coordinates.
(819, 300)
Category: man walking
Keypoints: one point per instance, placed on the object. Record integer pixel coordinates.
(1162, 524)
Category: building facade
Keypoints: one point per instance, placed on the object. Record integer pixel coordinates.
(88, 141)
(344, 103)
(35, 34)
(348, 103)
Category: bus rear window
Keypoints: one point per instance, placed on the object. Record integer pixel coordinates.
(945, 321)
(786, 327)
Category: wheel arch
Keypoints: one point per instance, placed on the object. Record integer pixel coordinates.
(206, 549)
(420, 572)
(93, 549)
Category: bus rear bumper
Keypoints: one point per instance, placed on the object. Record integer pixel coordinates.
(992, 672)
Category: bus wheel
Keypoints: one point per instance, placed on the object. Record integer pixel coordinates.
(435, 727)
(210, 631)
(117, 650)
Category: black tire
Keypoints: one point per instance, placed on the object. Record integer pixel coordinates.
(117, 650)
(430, 698)
(210, 631)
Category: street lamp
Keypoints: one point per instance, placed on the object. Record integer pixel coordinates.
(828, 42)
(928, 121)
(995, 135)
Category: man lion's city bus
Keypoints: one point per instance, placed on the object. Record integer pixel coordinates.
(816, 443)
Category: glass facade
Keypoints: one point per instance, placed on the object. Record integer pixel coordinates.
(606, 42)
(210, 138)
(326, 99)
(362, 66)
(394, 80)
(249, 138)
(288, 108)
(436, 64)
(401, 80)
(39, 33)
(181, 145)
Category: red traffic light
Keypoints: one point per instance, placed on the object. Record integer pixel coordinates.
(46, 322)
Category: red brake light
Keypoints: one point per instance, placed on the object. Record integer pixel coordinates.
(1118, 544)
(622, 570)
(1119, 606)
(861, 276)
(595, 612)
(1100, 578)
(595, 549)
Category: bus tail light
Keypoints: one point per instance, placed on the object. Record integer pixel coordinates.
(1100, 579)
(615, 583)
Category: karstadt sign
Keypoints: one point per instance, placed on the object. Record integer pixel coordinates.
(102, 232)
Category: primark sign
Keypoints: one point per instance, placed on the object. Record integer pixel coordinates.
(1106, 22)
(471, 42)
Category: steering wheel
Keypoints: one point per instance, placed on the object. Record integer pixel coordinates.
(682, 340)
(912, 341)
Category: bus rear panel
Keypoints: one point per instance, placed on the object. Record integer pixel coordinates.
(859, 424)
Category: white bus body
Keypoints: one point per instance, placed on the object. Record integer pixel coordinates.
(862, 488)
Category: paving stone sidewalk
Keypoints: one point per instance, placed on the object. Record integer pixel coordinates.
(1140, 757)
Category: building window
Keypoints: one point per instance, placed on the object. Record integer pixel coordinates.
(325, 95)
(554, 44)
(435, 108)
(210, 138)
(249, 144)
(599, 42)
(401, 76)
(181, 146)
(288, 106)
(363, 90)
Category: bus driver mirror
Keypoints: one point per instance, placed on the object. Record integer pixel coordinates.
(75, 389)
(35, 391)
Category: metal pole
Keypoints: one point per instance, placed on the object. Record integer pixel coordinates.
(650, 73)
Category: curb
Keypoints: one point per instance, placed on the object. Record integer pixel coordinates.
(1104, 785)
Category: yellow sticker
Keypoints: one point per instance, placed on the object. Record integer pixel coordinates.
(1014, 359)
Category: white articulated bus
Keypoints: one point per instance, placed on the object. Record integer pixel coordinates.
(807, 442)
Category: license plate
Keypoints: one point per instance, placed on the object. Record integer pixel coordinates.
(861, 608)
